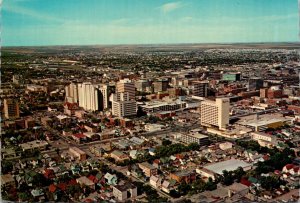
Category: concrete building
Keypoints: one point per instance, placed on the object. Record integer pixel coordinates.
(36, 144)
(92, 97)
(78, 153)
(148, 169)
(195, 138)
(231, 76)
(122, 106)
(126, 85)
(262, 136)
(200, 88)
(255, 83)
(72, 93)
(11, 108)
(228, 165)
(142, 85)
(160, 85)
(215, 113)
(183, 176)
(124, 191)
(156, 106)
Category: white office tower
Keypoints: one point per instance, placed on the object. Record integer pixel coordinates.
(71, 93)
(215, 113)
(122, 106)
(126, 85)
(90, 97)
(104, 91)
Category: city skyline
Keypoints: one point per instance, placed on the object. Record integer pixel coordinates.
(38, 23)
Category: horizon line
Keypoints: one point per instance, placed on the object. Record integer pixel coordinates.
(149, 44)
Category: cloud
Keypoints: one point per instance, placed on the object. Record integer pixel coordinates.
(14, 8)
(168, 7)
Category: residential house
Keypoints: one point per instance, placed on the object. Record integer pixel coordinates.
(70, 108)
(184, 176)
(291, 169)
(83, 180)
(118, 155)
(111, 179)
(134, 154)
(79, 137)
(168, 185)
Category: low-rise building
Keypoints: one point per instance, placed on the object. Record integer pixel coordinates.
(36, 144)
(125, 191)
(195, 138)
(84, 181)
(184, 176)
(118, 155)
(148, 169)
(76, 152)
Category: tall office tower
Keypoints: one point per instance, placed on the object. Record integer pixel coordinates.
(90, 97)
(126, 85)
(141, 85)
(72, 93)
(122, 106)
(11, 108)
(215, 113)
(255, 83)
(160, 85)
(104, 90)
(200, 88)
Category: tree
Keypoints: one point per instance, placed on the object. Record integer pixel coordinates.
(6, 167)
(24, 196)
(270, 182)
(193, 146)
(174, 194)
(166, 142)
(239, 173)
(227, 177)
(184, 188)
(140, 112)
(210, 185)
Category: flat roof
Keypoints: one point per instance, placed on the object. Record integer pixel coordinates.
(266, 121)
(228, 165)
(197, 135)
(34, 144)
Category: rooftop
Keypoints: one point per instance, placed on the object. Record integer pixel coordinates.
(197, 135)
(228, 165)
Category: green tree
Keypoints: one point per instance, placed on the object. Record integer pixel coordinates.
(166, 142)
(24, 196)
(270, 182)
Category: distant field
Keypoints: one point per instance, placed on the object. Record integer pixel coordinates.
(154, 47)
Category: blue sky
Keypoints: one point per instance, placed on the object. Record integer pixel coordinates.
(85, 22)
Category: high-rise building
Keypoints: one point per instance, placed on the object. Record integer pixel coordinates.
(90, 97)
(160, 85)
(126, 85)
(200, 88)
(11, 108)
(72, 93)
(122, 106)
(255, 83)
(215, 113)
(141, 85)
(104, 91)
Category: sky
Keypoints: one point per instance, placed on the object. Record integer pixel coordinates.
(91, 22)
